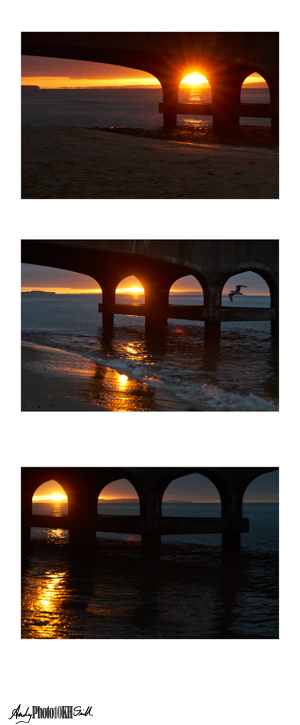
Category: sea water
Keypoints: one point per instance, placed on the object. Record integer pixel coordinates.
(104, 107)
(196, 590)
(175, 372)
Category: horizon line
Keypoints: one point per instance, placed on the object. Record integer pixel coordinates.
(134, 500)
(87, 84)
(127, 291)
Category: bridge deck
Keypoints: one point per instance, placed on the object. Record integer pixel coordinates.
(166, 525)
(193, 312)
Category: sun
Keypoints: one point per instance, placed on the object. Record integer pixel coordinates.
(130, 290)
(136, 290)
(51, 497)
(194, 79)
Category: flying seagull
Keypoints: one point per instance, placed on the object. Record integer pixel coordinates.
(236, 291)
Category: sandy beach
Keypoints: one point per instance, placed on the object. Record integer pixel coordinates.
(48, 384)
(78, 163)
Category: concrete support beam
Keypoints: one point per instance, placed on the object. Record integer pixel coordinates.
(240, 110)
(160, 526)
(192, 312)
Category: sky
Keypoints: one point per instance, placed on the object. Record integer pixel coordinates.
(36, 277)
(194, 488)
(63, 73)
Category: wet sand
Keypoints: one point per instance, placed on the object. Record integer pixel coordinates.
(53, 379)
(78, 163)
(47, 383)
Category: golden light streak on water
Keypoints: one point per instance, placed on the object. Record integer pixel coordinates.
(45, 603)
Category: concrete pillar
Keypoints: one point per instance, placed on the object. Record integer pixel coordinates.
(275, 112)
(170, 99)
(212, 328)
(212, 331)
(235, 481)
(275, 328)
(82, 517)
(154, 297)
(108, 297)
(225, 101)
(275, 125)
(151, 539)
(26, 511)
(25, 536)
(151, 545)
(231, 542)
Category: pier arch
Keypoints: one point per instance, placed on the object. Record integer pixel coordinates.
(252, 492)
(258, 273)
(50, 492)
(134, 483)
(50, 276)
(49, 512)
(195, 90)
(254, 76)
(250, 96)
(252, 281)
(190, 488)
(122, 491)
(194, 285)
(253, 73)
(207, 479)
(131, 285)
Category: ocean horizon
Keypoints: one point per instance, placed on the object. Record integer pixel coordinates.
(128, 107)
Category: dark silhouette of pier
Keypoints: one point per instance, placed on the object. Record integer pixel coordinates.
(84, 485)
(158, 264)
(225, 59)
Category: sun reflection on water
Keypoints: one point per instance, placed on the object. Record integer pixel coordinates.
(48, 594)
(122, 381)
(43, 604)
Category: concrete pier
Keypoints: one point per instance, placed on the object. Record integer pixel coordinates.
(84, 485)
(225, 59)
(157, 264)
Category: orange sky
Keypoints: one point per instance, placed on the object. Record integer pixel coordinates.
(62, 73)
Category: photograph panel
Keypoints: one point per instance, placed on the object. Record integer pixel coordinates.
(151, 325)
(150, 553)
(163, 115)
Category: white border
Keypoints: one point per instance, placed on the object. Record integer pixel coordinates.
(152, 681)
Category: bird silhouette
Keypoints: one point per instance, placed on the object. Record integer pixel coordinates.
(236, 291)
